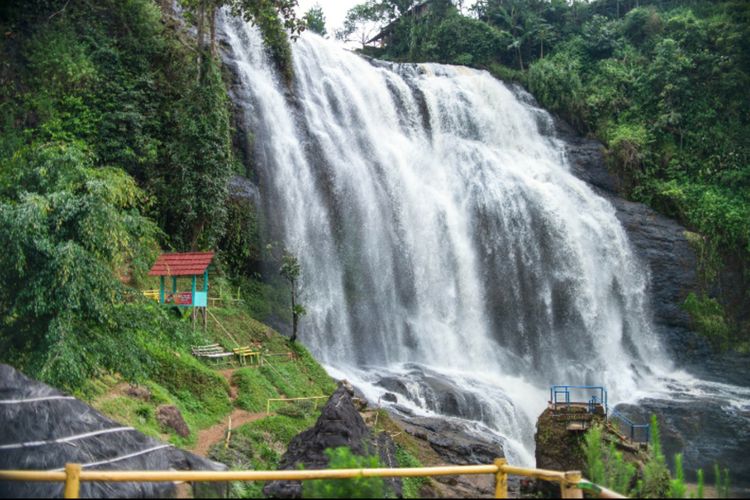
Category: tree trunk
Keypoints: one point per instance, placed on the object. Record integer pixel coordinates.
(201, 36)
(213, 29)
(166, 8)
(294, 315)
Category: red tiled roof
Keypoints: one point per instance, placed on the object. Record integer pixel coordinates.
(181, 264)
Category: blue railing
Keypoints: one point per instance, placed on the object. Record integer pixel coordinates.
(595, 397)
(638, 433)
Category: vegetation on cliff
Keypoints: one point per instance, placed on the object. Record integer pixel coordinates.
(661, 83)
(646, 476)
(115, 141)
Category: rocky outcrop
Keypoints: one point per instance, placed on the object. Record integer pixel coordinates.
(559, 443)
(452, 441)
(340, 424)
(35, 416)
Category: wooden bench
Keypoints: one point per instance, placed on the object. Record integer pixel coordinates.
(211, 352)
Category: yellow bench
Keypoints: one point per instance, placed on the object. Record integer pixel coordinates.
(245, 353)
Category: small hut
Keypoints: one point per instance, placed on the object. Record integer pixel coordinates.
(177, 266)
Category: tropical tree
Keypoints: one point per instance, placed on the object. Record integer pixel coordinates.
(315, 20)
(291, 270)
(363, 22)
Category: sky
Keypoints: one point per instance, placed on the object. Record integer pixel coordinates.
(335, 11)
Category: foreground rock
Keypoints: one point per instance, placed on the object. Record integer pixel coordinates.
(457, 445)
(452, 441)
(33, 416)
(340, 424)
(560, 438)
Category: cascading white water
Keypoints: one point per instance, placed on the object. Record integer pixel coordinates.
(443, 241)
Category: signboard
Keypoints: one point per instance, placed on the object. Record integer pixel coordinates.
(179, 298)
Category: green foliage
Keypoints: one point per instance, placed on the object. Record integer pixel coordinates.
(677, 487)
(301, 378)
(556, 84)
(276, 19)
(201, 390)
(593, 451)
(709, 319)
(69, 231)
(656, 478)
(723, 485)
(259, 445)
(606, 465)
(241, 247)
(290, 270)
(315, 20)
(700, 488)
(254, 389)
(104, 123)
(412, 486)
(193, 187)
(363, 22)
(290, 267)
(361, 487)
(461, 40)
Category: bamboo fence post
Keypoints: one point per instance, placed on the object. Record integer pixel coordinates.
(569, 488)
(501, 479)
(72, 480)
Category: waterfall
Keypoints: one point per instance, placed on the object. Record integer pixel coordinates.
(447, 251)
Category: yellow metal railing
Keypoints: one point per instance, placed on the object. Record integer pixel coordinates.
(571, 483)
(269, 401)
(152, 294)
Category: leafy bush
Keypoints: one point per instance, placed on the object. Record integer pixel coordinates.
(554, 81)
(709, 319)
(656, 478)
(360, 487)
(69, 230)
(606, 465)
(412, 486)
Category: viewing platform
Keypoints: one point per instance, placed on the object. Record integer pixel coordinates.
(583, 406)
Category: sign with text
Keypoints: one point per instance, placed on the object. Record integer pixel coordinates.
(179, 298)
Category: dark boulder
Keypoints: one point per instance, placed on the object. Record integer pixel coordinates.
(338, 425)
(452, 440)
(169, 416)
(138, 392)
(34, 417)
(390, 397)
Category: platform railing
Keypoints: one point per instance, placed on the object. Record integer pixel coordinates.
(571, 483)
(561, 395)
(637, 433)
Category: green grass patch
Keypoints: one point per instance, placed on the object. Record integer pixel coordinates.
(134, 412)
(254, 389)
(260, 445)
(201, 391)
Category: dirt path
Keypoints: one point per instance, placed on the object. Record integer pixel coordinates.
(209, 437)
